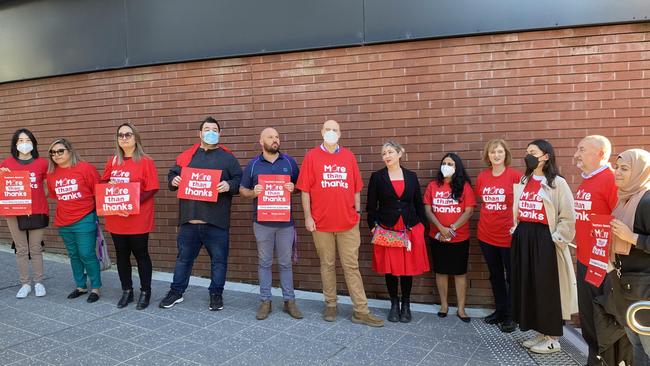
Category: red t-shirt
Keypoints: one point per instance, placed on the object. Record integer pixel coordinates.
(74, 189)
(495, 219)
(596, 195)
(332, 180)
(531, 206)
(37, 169)
(448, 210)
(131, 171)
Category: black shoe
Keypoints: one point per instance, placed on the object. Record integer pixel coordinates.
(143, 301)
(405, 311)
(393, 314)
(507, 326)
(76, 293)
(493, 318)
(127, 297)
(92, 297)
(442, 314)
(464, 319)
(171, 299)
(216, 302)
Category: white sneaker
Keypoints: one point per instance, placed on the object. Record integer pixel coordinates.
(24, 291)
(548, 345)
(39, 289)
(533, 341)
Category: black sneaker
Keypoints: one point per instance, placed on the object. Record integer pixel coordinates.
(493, 318)
(171, 299)
(507, 326)
(216, 302)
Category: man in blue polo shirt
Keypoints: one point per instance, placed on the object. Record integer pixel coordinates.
(270, 235)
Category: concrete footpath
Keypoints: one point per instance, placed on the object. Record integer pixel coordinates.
(53, 330)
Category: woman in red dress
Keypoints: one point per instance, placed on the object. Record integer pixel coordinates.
(395, 203)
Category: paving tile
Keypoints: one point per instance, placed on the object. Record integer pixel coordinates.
(35, 346)
(152, 340)
(180, 348)
(30, 362)
(455, 349)
(257, 334)
(125, 332)
(228, 326)
(8, 356)
(101, 325)
(405, 353)
(436, 359)
(425, 342)
(61, 355)
(151, 358)
(71, 334)
(92, 360)
(10, 336)
(121, 351)
(304, 329)
(177, 329)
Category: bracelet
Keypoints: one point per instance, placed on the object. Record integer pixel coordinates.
(359, 212)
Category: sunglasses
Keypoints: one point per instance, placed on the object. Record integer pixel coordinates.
(125, 136)
(58, 152)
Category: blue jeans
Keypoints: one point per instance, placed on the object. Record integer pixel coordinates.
(189, 241)
(281, 238)
(498, 263)
(641, 345)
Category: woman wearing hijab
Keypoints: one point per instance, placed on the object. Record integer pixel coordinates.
(631, 243)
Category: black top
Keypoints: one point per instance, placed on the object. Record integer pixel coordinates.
(639, 258)
(384, 207)
(213, 213)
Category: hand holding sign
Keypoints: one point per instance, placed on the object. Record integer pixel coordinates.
(274, 203)
(15, 193)
(201, 184)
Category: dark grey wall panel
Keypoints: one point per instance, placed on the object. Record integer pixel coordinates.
(171, 30)
(393, 20)
(43, 38)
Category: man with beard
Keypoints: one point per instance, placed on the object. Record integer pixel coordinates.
(272, 234)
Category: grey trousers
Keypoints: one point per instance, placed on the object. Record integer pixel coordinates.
(280, 238)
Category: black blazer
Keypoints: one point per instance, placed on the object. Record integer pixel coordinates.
(385, 208)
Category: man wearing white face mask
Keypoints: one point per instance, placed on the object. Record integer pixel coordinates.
(201, 222)
(331, 184)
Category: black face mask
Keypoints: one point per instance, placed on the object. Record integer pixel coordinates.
(531, 161)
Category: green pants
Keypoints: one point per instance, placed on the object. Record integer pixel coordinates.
(80, 241)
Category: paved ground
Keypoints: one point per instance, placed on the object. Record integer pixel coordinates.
(56, 331)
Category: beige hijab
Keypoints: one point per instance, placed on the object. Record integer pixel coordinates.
(630, 195)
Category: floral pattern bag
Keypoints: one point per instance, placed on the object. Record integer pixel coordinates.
(392, 239)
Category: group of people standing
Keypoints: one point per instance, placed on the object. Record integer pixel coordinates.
(526, 224)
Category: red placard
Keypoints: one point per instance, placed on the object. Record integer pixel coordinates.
(117, 199)
(15, 193)
(199, 184)
(274, 203)
(601, 235)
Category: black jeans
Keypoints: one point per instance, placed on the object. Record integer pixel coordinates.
(586, 295)
(498, 263)
(137, 244)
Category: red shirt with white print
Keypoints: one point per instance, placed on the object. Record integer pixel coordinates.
(74, 190)
(144, 172)
(447, 210)
(596, 195)
(37, 169)
(531, 206)
(332, 180)
(496, 193)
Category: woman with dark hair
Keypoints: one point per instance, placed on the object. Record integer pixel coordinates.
(494, 187)
(543, 280)
(131, 164)
(449, 203)
(27, 231)
(395, 204)
(631, 244)
(72, 182)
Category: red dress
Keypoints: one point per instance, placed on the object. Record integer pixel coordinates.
(399, 261)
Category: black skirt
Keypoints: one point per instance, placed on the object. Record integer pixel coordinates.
(450, 258)
(535, 282)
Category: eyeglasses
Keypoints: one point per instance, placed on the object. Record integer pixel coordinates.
(125, 136)
(58, 152)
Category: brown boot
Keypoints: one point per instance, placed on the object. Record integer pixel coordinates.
(329, 314)
(367, 319)
(291, 309)
(263, 310)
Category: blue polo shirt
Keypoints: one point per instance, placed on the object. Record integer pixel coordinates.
(283, 165)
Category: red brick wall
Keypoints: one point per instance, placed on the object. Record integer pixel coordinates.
(433, 96)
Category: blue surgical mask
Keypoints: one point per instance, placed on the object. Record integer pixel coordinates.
(211, 137)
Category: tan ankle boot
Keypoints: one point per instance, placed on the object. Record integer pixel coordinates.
(291, 309)
(263, 310)
(367, 319)
(329, 314)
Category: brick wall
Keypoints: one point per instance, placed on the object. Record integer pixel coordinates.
(433, 96)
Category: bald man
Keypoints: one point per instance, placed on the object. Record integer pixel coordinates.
(331, 184)
(270, 235)
(596, 195)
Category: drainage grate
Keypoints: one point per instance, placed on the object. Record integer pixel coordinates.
(507, 348)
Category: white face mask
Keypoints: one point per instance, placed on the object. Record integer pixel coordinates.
(331, 137)
(447, 171)
(25, 147)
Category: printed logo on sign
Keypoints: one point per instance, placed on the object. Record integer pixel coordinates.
(582, 205)
(116, 199)
(66, 189)
(120, 176)
(493, 198)
(334, 176)
(14, 188)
